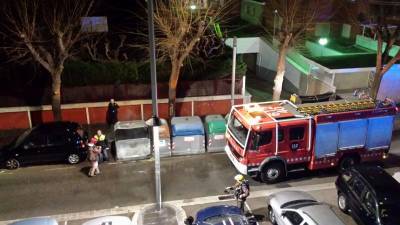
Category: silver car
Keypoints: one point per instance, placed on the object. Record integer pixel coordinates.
(36, 221)
(299, 208)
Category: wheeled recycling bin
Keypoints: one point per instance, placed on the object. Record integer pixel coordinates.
(132, 140)
(215, 133)
(187, 135)
(165, 138)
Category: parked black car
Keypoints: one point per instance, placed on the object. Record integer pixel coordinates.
(48, 142)
(370, 195)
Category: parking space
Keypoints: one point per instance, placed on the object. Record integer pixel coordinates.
(81, 221)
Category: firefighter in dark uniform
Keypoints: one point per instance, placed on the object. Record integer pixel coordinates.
(241, 190)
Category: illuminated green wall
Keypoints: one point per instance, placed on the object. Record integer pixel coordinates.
(252, 11)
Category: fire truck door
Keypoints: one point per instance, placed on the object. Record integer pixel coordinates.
(295, 143)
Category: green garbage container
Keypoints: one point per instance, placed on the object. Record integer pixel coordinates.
(215, 133)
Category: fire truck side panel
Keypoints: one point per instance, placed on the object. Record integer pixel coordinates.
(379, 133)
(326, 139)
(352, 134)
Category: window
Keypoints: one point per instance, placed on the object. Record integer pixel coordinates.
(57, 139)
(346, 176)
(357, 186)
(369, 202)
(281, 135)
(296, 133)
(238, 130)
(36, 140)
(265, 138)
(293, 217)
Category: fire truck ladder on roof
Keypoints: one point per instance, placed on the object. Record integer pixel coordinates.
(337, 107)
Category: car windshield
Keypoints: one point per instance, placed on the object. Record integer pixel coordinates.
(390, 213)
(226, 220)
(22, 137)
(238, 130)
(126, 134)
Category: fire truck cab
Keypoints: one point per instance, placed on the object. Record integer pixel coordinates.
(271, 138)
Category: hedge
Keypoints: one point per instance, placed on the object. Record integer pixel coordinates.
(81, 73)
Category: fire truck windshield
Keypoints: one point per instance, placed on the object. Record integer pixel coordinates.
(238, 130)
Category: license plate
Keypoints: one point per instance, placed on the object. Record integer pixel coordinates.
(188, 139)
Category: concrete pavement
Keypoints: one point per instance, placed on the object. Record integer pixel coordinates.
(65, 189)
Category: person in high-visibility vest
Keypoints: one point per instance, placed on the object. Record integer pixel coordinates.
(102, 141)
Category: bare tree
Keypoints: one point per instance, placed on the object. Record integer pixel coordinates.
(294, 18)
(179, 27)
(383, 19)
(45, 31)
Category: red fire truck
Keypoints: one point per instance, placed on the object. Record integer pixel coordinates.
(271, 138)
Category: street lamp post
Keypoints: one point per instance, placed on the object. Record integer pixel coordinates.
(156, 123)
(233, 71)
(275, 12)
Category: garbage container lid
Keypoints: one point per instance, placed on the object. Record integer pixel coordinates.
(187, 126)
(215, 124)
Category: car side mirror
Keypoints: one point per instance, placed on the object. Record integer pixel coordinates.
(189, 220)
(284, 214)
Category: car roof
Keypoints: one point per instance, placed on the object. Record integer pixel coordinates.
(322, 214)
(290, 199)
(386, 188)
(217, 210)
(36, 221)
(56, 125)
(120, 220)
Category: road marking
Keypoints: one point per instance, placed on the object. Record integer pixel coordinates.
(59, 168)
(175, 203)
(250, 211)
(4, 172)
(66, 222)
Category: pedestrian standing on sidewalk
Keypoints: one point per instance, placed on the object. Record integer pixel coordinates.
(94, 152)
(101, 139)
(112, 112)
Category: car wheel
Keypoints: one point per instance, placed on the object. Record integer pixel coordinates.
(73, 158)
(12, 164)
(347, 162)
(271, 215)
(342, 203)
(272, 173)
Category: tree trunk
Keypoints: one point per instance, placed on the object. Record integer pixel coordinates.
(378, 69)
(280, 69)
(376, 84)
(56, 94)
(173, 81)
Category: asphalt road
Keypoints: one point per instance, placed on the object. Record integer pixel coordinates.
(62, 189)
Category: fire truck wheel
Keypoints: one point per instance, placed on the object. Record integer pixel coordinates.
(272, 173)
(346, 162)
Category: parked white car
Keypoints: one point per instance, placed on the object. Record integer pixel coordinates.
(36, 221)
(299, 208)
(110, 220)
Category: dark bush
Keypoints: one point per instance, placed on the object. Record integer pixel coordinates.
(81, 73)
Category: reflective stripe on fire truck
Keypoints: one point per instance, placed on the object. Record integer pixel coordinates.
(298, 159)
(371, 155)
(240, 167)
